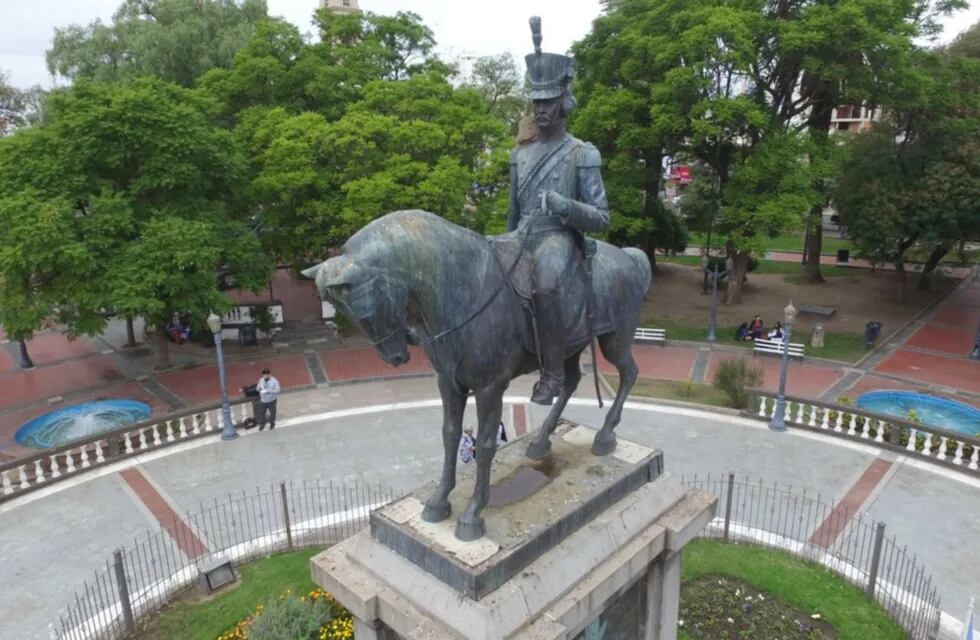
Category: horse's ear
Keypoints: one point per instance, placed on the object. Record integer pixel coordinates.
(333, 274)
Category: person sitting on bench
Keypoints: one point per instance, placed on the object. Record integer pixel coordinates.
(757, 328)
(777, 332)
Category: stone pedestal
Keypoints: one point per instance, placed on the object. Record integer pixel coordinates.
(577, 547)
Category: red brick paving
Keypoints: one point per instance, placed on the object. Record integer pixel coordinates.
(802, 380)
(668, 363)
(52, 347)
(520, 420)
(837, 520)
(366, 362)
(202, 384)
(26, 387)
(958, 373)
(187, 540)
(946, 339)
(958, 315)
(6, 362)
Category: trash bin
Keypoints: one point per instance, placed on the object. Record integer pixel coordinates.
(251, 391)
(872, 331)
(248, 336)
(843, 255)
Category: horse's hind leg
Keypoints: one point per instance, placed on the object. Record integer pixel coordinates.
(541, 443)
(617, 349)
(437, 507)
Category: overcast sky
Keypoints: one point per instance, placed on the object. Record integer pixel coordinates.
(462, 27)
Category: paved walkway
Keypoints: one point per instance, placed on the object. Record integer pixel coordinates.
(55, 539)
(928, 355)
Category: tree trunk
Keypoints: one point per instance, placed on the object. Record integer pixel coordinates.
(814, 245)
(740, 265)
(25, 358)
(163, 347)
(130, 333)
(925, 279)
(900, 274)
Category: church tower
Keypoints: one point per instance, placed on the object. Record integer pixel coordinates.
(341, 6)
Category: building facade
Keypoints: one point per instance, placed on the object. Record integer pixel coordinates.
(853, 118)
(340, 6)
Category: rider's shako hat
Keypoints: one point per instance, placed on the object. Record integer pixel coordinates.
(549, 75)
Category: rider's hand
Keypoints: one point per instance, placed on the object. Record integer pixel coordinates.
(558, 205)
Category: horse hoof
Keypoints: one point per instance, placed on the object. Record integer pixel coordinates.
(436, 512)
(469, 530)
(537, 450)
(604, 446)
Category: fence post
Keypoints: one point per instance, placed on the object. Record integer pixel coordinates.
(285, 515)
(127, 606)
(875, 559)
(728, 502)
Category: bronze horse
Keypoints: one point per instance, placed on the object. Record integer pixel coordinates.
(413, 276)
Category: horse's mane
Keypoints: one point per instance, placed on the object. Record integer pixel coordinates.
(410, 230)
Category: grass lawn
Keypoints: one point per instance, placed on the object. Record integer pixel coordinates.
(788, 242)
(802, 585)
(192, 617)
(838, 345)
(792, 270)
(675, 390)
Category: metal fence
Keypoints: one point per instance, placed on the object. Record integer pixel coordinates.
(846, 542)
(142, 578)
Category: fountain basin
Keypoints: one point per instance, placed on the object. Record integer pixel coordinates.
(65, 425)
(930, 410)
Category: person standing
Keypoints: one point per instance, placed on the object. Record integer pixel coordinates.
(467, 446)
(269, 389)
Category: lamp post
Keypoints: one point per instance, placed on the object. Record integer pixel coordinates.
(778, 422)
(227, 426)
(714, 303)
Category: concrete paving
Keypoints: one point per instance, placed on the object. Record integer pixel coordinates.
(54, 543)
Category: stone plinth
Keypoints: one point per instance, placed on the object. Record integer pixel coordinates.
(572, 541)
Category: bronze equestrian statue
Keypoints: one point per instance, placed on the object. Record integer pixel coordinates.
(556, 193)
(413, 277)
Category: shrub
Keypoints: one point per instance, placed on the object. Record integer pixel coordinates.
(315, 616)
(687, 387)
(735, 378)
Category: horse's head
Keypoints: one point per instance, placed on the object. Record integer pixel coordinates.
(370, 299)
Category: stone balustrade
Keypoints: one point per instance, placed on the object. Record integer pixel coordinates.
(950, 448)
(55, 465)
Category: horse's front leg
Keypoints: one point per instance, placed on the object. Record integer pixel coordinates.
(489, 403)
(540, 445)
(437, 508)
(617, 349)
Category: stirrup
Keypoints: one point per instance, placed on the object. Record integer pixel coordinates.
(545, 390)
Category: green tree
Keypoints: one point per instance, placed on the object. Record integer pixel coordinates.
(915, 178)
(618, 70)
(12, 106)
(501, 84)
(175, 40)
(417, 143)
(126, 157)
(966, 44)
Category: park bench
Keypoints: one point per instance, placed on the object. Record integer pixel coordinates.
(775, 347)
(650, 335)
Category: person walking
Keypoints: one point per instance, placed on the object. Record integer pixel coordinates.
(269, 389)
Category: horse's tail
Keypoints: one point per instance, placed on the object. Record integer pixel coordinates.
(643, 265)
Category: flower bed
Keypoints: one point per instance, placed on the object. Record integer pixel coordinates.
(313, 616)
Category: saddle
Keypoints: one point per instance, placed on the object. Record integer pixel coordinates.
(575, 285)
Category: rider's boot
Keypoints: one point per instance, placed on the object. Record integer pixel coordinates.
(551, 343)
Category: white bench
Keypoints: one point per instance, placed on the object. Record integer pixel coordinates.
(775, 347)
(650, 335)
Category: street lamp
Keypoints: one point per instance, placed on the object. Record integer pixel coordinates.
(227, 426)
(778, 422)
(714, 303)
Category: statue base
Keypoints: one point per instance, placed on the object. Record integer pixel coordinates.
(575, 544)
